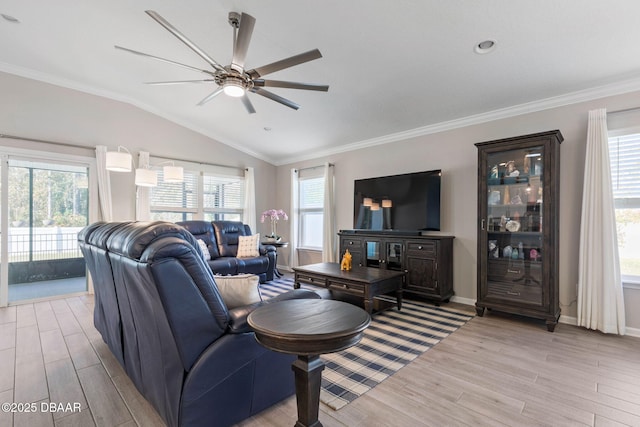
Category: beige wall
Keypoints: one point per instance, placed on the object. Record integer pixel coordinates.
(33, 109)
(454, 152)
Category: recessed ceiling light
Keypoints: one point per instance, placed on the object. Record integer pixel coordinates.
(10, 18)
(485, 46)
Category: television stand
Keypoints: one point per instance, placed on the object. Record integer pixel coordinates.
(427, 260)
(384, 232)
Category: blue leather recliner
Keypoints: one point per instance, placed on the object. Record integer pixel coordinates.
(159, 311)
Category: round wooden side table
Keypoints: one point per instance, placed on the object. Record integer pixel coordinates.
(308, 328)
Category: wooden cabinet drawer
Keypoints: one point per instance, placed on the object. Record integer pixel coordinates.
(311, 279)
(348, 243)
(514, 271)
(530, 293)
(421, 248)
(354, 288)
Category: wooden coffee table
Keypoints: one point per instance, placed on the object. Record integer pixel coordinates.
(365, 282)
(308, 328)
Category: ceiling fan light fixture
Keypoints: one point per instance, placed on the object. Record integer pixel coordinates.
(233, 87)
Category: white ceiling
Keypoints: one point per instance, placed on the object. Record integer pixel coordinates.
(396, 68)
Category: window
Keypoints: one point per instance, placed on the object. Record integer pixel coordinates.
(223, 198)
(624, 153)
(311, 197)
(204, 194)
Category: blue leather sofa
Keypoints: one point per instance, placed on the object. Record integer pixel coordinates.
(158, 309)
(221, 238)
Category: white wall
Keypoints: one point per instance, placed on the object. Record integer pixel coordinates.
(33, 109)
(454, 152)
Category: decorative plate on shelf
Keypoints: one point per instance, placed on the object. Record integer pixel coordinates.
(512, 226)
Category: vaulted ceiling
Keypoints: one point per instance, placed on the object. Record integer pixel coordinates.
(395, 68)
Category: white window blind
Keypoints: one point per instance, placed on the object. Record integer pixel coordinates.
(223, 197)
(311, 199)
(624, 153)
(178, 196)
(208, 192)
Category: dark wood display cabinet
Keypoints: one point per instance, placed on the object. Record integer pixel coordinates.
(426, 260)
(518, 208)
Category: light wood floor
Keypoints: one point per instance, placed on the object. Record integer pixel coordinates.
(495, 370)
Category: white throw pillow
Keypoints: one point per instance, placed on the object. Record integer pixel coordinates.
(205, 251)
(248, 246)
(240, 290)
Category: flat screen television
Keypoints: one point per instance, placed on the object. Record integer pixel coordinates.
(404, 203)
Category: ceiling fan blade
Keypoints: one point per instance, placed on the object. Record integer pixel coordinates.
(241, 45)
(285, 63)
(290, 85)
(177, 82)
(247, 104)
(160, 20)
(210, 97)
(272, 96)
(135, 52)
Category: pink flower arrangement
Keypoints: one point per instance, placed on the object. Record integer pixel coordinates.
(274, 215)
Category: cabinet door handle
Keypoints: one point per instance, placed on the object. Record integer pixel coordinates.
(513, 293)
(513, 271)
(419, 247)
(482, 224)
(351, 243)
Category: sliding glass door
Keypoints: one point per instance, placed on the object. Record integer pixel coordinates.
(45, 203)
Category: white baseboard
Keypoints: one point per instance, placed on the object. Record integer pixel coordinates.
(569, 320)
(461, 300)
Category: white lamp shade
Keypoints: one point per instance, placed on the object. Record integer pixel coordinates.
(367, 201)
(375, 206)
(173, 173)
(386, 203)
(146, 178)
(118, 161)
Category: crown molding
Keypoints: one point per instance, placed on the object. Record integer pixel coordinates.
(590, 94)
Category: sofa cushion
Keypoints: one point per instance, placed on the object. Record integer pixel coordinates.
(203, 230)
(239, 290)
(206, 255)
(248, 246)
(227, 233)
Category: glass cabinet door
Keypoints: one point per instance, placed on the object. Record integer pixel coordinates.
(513, 223)
(373, 253)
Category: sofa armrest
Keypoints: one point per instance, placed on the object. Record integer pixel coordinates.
(238, 316)
(265, 249)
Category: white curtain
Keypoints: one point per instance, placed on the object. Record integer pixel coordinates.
(104, 184)
(143, 199)
(328, 217)
(600, 297)
(249, 212)
(293, 220)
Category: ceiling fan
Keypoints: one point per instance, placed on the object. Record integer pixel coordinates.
(233, 79)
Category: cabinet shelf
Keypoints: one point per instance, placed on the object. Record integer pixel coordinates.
(529, 203)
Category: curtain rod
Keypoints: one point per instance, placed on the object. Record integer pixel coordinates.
(313, 167)
(198, 162)
(63, 144)
(623, 111)
(66, 144)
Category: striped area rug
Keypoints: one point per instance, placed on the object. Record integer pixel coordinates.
(393, 340)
